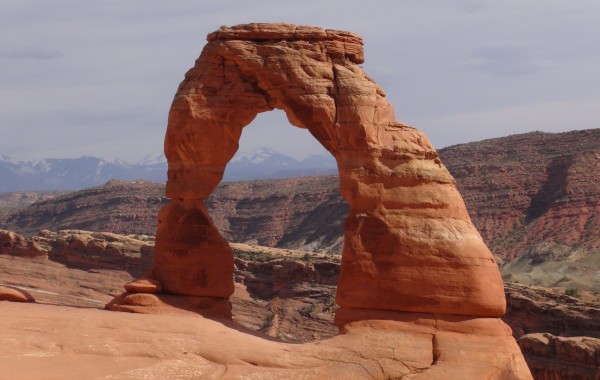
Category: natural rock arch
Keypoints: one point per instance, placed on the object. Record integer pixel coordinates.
(409, 243)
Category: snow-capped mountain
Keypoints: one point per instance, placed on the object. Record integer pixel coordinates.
(87, 171)
(71, 173)
(265, 162)
(153, 159)
(262, 156)
(323, 160)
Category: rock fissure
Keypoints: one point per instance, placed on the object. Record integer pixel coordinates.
(334, 95)
(435, 353)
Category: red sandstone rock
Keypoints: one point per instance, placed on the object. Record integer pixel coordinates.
(16, 245)
(143, 285)
(144, 303)
(194, 259)
(14, 295)
(409, 242)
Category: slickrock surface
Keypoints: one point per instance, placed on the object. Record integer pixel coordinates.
(123, 345)
(15, 244)
(75, 268)
(409, 243)
(40, 342)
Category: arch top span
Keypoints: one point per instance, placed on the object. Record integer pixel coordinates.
(339, 43)
(409, 243)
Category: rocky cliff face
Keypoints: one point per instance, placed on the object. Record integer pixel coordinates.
(536, 200)
(532, 193)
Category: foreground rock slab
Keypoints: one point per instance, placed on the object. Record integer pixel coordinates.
(39, 342)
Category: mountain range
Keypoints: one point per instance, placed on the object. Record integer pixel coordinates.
(87, 171)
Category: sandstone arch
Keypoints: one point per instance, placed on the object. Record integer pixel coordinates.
(409, 243)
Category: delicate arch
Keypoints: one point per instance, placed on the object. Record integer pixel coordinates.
(409, 243)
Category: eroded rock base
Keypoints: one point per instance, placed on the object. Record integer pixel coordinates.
(424, 322)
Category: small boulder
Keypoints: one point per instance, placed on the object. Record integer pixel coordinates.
(15, 295)
(143, 285)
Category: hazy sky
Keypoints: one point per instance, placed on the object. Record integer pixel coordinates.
(97, 77)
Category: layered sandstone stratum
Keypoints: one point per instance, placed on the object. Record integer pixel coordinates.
(412, 264)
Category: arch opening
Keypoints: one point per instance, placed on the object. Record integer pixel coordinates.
(270, 147)
(290, 202)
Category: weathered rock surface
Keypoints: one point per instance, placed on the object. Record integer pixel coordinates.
(282, 293)
(409, 243)
(147, 303)
(411, 254)
(551, 357)
(102, 249)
